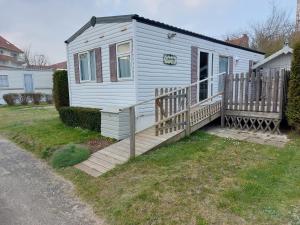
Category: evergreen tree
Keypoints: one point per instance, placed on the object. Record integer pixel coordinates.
(293, 108)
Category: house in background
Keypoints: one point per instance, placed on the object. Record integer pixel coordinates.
(115, 62)
(10, 55)
(279, 60)
(241, 41)
(59, 66)
(16, 78)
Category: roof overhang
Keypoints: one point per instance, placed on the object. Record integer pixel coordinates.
(127, 18)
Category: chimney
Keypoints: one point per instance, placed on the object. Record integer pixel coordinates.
(298, 16)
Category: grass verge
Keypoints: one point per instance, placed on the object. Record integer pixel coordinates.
(199, 180)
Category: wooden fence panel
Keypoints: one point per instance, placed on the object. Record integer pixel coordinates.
(255, 92)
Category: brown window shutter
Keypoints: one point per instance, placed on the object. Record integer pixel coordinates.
(76, 68)
(113, 63)
(98, 58)
(194, 76)
(230, 59)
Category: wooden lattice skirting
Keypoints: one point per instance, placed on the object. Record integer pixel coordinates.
(253, 123)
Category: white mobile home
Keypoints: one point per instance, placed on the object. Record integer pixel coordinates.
(21, 80)
(115, 62)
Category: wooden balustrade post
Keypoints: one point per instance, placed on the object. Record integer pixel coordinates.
(132, 131)
(188, 111)
(223, 102)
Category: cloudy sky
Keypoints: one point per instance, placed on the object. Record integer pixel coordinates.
(46, 24)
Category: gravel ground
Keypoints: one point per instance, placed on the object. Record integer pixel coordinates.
(31, 194)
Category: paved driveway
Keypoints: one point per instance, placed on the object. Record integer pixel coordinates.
(31, 194)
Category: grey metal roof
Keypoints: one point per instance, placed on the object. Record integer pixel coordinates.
(126, 18)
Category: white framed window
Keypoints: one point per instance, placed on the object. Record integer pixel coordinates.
(124, 60)
(223, 68)
(223, 64)
(87, 66)
(4, 81)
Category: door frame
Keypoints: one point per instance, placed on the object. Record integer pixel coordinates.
(31, 82)
(210, 72)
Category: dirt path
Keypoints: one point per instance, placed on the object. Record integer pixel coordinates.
(31, 194)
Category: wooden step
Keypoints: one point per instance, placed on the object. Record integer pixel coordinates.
(88, 170)
(94, 166)
(114, 155)
(107, 158)
(101, 162)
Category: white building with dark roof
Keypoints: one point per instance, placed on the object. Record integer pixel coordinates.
(279, 60)
(115, 62)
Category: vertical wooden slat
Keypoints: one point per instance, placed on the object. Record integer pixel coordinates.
(246, 107)
(257, 100)
(251, 91)
(171, 107)
(224, 102)
(179, 109)
(236, 91)
(281, 94)
(161, 111)
(175, 109)
(241, 99)
(156, 112)
(132, 131)
(269, 91)
(275, 92)
(188, 111)
(231, 92)
(263, 92)
(166, 108)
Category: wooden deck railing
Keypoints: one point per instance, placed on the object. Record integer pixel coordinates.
(254, 101)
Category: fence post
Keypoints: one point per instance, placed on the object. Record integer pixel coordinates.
(223, 102)
(188, 111)
(132, 131)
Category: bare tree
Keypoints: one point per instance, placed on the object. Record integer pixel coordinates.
(34, 60)
(269, 35)
(27, 55)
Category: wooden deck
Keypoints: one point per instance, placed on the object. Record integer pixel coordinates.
(119, 153)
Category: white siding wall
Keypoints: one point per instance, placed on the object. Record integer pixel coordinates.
(42, 82)
(106, 94)
(280, 62)
(152, 43)
(115, 125)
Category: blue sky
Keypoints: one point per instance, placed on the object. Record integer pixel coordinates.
(46, 24)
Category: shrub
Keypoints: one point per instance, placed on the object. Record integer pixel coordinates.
(68, 156)
(11, 98)
(47, 152)
(36, 98)
(60, 89)
(81, 117)
(48, 98)
(293, 107)
(25, 98)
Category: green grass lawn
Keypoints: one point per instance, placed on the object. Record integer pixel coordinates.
(199, 180)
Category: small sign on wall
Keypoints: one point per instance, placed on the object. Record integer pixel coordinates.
(170, 59)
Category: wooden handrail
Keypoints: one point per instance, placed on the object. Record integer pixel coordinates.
(166, 94)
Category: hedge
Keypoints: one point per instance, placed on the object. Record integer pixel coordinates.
(85, 118)
(60, 89)
(26, 98)
(293, 107)
(11, 98)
